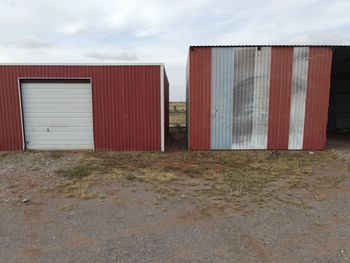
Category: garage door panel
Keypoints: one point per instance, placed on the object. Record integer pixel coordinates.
(57, 115)
(59, 122)
(54, 86)
(57, 136)
(64, 145)
(38, 114)
(57, 100)
(60, 129)
(74, 108)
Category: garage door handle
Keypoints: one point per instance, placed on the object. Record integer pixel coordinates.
(48, 129)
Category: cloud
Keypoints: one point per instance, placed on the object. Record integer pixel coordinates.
(114, 55)
(75, 29)
(161, 31)
(31, 43)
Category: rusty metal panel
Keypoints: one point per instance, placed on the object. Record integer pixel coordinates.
(317, 98)
(126, 103)
(243, 97)
(222, 98)
(261, 98)
(280, 97)
(298, 97)
(199, 98)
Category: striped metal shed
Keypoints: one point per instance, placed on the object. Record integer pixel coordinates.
(260, 96)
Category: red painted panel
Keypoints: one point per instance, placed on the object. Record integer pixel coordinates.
(126, 104)
(199, 98)
(280, 97)
(317, 99)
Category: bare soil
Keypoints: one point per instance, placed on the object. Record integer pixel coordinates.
(178, 206)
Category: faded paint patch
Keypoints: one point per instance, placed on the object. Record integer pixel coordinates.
(243, 97)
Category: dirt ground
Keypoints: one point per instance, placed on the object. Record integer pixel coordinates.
(178, 206)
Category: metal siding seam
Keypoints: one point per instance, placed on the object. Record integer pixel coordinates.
(221, 98)
(317, 99)
(298, 97)
(244, 67)
(261, 98)
(162, 137)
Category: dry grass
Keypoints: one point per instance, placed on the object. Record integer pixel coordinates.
(177, 113)
(56, 155)
(3, 156)
(220, 176)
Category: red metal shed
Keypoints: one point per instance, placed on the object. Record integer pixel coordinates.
(102, 107)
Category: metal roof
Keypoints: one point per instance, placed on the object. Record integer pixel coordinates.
(78, 64)
(264, 45)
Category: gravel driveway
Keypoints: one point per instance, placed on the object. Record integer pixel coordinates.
(131, 223)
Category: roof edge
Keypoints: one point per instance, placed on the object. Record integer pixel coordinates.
(264, 45)
(78, 64)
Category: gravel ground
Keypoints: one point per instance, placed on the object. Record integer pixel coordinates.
(50, 227)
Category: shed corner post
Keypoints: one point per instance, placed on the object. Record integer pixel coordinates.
(162, 119)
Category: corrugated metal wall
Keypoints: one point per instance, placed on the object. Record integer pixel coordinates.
(279, 99)
(126, 104)
(222, 98)
(317, 98)
(199, 98)
(298, 97)
(259, 97)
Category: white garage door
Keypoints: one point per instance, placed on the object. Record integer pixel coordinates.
(57, 115)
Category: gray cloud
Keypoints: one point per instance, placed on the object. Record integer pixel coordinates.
(30, 43)
(116, 55)
(161, 31)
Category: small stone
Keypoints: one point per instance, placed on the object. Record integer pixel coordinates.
(25, 200)
(311, 153)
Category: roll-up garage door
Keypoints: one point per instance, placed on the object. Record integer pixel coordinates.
(57, 115)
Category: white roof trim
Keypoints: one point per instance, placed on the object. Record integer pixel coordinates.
(81, 64)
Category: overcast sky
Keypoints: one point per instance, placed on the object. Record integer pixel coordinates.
(101, 31)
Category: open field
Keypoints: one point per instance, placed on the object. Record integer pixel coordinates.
(177, 113)
(177, 206)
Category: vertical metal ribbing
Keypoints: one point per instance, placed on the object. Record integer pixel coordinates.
(243, 97)
(298, 98)
(222, 98)
(317, 97)
(261, 98)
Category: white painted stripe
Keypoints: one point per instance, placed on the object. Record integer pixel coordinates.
(261, 98)
(298, 97)
(162, 135)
